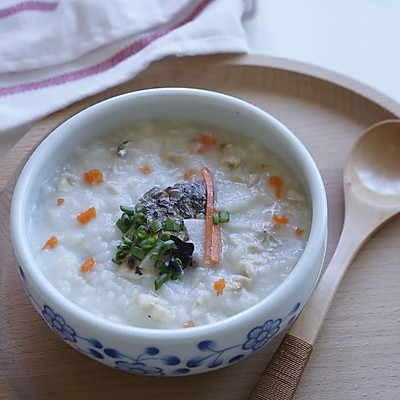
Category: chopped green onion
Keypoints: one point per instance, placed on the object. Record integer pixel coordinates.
(127, 241)
(171, 225)
(128, 210)
(156, 226)
(164, 237)
(141, 232)
(137, 242)
(123, 246)
(156, 250)
(168, 245)
(146, 244)
(154, 255)
(216, 219)
(178, 261)
(140, 208)
(223, 216)
(151, 240)
(139, 218)
(161, 266)
(138, 253)
(124, 223)
(120, 255)
(160, 280)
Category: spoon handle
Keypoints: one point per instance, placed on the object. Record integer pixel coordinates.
(283, 373)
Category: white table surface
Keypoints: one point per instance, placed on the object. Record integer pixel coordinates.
(358, 38)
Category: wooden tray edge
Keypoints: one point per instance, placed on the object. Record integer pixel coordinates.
(51, 121)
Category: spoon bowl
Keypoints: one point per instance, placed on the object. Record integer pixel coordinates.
(373, 168)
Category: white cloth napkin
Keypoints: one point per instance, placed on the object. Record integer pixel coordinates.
(53, 53)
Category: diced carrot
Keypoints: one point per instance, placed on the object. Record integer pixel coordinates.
(86, 216)
(212, 248)
(93, 176)
(87, 265)
(280, 220)
(299, 231)
(277, 183)
(188, 174)
(51, 243)
(207, 140)
(219, 286)
(145, 170)
(60, 201)
(189, 324)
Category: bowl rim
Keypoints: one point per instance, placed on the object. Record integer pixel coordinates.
(282, 292)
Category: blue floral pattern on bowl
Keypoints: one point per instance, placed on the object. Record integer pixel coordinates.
(260, 335)
(151, 361)
(58, 324)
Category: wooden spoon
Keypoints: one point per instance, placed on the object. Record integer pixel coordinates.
(371, 181)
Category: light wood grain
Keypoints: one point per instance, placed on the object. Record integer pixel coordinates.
(358, 351)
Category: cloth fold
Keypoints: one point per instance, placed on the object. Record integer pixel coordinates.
(58, 52)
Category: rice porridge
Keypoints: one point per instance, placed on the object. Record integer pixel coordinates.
(169, 224)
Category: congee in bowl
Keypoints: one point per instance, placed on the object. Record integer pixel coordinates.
(121, 228)
(170, 231)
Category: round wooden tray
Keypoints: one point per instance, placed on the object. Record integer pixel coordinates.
(358, 351)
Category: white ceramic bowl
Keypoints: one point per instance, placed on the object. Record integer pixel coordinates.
(170, 351)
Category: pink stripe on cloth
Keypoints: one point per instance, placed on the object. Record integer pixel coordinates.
(28, 6)
(105, 65)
